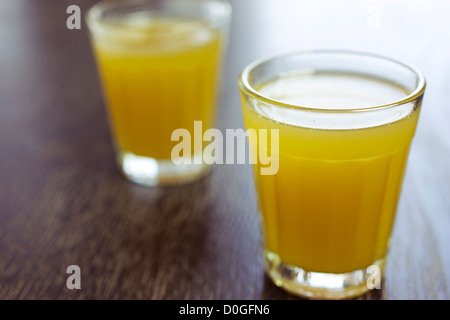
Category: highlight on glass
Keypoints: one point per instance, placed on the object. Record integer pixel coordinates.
(346, 121)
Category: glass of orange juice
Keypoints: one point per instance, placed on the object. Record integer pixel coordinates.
(159, 62)
(345, 122)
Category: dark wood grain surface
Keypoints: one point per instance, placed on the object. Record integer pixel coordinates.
(63, 202)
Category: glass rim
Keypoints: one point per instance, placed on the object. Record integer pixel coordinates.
(94, 13)
(246, 87)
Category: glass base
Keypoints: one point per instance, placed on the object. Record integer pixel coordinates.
(153, 172)
(318, 285)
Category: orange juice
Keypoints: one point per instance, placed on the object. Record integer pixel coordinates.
(156, 83)
(330, 207)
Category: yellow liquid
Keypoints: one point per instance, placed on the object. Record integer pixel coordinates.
(154, 84)
(331, 206)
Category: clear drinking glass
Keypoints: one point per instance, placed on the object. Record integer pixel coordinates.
(345, 122)
(159, 62)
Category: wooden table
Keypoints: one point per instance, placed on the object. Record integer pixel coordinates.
(63, 202)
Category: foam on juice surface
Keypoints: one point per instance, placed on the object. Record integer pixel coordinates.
(332, 91)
